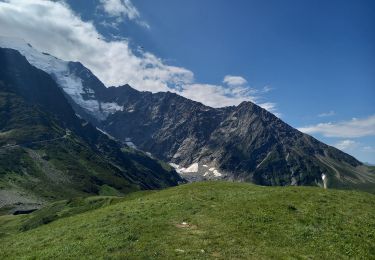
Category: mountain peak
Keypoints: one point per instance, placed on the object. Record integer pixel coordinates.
(246, 103)
(244, 142)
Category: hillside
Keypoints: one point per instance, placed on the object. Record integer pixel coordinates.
(218, 220)
(48, 153)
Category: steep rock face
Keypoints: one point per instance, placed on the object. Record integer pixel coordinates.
(245, 143)
(48, 153)
(165, 124)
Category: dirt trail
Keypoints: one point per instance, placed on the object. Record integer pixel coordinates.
(36, 142)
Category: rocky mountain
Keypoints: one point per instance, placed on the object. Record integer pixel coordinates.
(242, 143)
(239, 143)
(47, 152)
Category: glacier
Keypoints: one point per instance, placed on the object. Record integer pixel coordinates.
(64, 77)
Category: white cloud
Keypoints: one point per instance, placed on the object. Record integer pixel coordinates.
(270, 107)
(234, 80)
(216, 95)
(52, 27)
(346, 144)
(219, 96)
(62, 33)
(266, 89)
(368, 149)
(121, 9)
(327, 114)
(357, 149)
(346, 129)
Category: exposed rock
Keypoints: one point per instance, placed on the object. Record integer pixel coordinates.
(242, 143)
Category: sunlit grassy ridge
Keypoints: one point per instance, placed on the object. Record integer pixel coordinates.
(201, 220)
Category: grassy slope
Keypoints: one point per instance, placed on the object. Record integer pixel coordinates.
(225, 220)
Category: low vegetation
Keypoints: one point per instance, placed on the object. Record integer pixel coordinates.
(217, 220)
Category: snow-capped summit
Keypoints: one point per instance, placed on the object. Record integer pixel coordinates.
(66, 77)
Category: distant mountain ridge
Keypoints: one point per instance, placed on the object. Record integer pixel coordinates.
(240, 143)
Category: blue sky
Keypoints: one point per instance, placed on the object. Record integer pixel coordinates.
(312, 62)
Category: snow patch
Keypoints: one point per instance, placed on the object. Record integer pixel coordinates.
(131, 145)
(192, 168)
(111, 108)
(181, 170)
(128, 142)
(324, 178)
(104, 132)
(265, 158)
(217, 173)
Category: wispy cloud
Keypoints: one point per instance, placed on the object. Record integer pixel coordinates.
(267, 89)
(357, 148)
(369, 149)
(272, 107)
(220, 96)
(353, 128)
(121, 9)
(234, 80)
(327, 114)
(346, 144)
(214, 95)
(62, 33)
